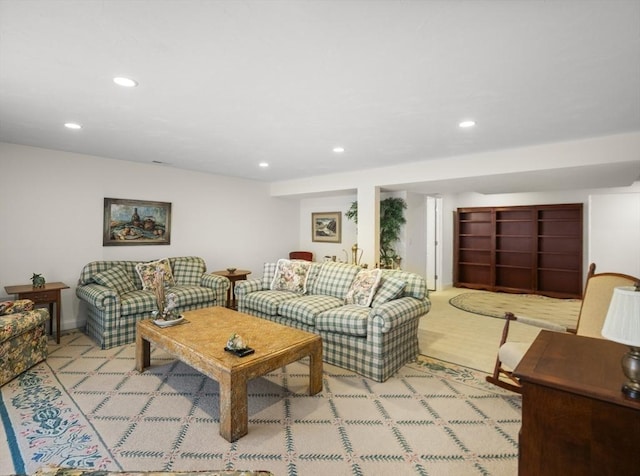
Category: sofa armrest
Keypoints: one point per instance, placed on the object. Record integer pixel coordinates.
(97, 295)
(12, 325)
(215, 281)
(248, 286)
(397, 312)
(220, 286)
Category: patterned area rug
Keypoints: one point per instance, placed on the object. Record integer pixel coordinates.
(85, 407)
(559, 311)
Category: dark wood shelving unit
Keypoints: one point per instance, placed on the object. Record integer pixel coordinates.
(560, 251)
(474, 244)
(515, 249)
(534, 249)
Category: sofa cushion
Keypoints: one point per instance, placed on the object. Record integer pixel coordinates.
(138, 301)
(95, 267)
(267, 302)
(187, 296)
(268, 272)
(350, 320)
(188, 271)
(334, 279)
(291, 275)
(306, 308)
(312, 275)
(147, 273)
(12, 307)
(363, 287)
(115, 278)
(390, 288)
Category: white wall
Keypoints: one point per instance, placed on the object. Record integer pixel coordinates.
(412, 246)
(414, 258)
(452, 202)
(51, 211)
(340, 203)
(441, 172)
(570, 155)
(614, 232)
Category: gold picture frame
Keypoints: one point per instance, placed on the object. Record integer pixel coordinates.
(326, 227)
(136, 222)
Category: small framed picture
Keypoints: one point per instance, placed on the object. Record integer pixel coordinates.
(326, 227)
(136, 222)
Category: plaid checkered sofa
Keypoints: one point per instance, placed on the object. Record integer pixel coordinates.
(373, 341)
(112, 311)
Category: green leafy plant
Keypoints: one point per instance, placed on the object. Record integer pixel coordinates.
(37, 280)
(391, 221)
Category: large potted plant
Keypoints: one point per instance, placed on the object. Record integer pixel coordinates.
(391, 221)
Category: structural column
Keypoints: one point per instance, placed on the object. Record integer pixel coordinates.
(369, 224)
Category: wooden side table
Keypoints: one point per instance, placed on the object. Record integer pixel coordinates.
(49, 294)
(237, 275)
(575, 418)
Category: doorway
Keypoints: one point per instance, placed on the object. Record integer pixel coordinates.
(434, 238)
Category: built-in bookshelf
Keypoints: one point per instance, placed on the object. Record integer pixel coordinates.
(474, 247)
(533, 249)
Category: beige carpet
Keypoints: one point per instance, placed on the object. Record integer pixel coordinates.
(446, 333)
(464, 338)
(558, 311)
(86, 407)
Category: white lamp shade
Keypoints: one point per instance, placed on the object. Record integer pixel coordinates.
(622, 323)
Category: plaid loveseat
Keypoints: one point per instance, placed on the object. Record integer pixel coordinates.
(374, 340)
(114, 298)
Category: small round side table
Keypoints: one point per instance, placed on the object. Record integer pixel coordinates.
(237, 275)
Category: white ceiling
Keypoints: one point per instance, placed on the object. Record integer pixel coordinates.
(225, 85)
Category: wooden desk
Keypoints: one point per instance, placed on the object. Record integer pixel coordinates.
(237, 275)
(49, 294)
(575, 418)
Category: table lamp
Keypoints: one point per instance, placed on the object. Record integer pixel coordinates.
(622, 324)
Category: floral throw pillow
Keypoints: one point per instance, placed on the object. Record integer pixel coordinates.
(291, 275)
(363, 287)
(147, 273)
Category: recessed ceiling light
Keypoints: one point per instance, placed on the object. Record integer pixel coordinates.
(338, 150)
(125, 82)
(72, 125)
(263, 165)
(465, 124)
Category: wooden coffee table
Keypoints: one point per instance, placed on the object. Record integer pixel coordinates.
(199, 342)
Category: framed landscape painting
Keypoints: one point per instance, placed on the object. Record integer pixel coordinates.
(136, 222)
(326, 227)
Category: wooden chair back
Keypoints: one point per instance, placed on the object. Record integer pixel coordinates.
(304, 255)
(595, 302)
